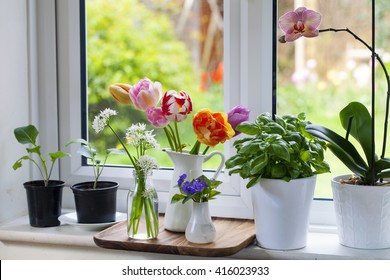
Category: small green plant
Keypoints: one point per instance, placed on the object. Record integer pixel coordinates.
(277, 148)
(201, 189)
(28, 135)
(86, 150)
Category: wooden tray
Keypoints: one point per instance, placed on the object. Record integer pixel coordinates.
(232, 236)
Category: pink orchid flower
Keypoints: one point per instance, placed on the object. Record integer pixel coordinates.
(145, 94)
(156, 117)
(301, 22)
(176, 106)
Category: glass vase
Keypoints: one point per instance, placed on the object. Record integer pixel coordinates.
(142, 207)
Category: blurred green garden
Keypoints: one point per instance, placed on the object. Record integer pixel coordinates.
(134, 39)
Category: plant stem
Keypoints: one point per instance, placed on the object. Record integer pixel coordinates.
(169, 137)
(386, 75)
(178, 137)
(124, 147)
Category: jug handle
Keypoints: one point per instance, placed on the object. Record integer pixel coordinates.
(221, 165)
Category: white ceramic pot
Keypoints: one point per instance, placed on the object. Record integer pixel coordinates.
(362, 214)
(281, 212)
(178, 214)
(200, 229)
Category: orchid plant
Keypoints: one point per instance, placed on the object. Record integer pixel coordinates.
(211, 128)
(355, 118)
(201, 189)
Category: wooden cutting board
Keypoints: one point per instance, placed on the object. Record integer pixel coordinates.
(232, 236)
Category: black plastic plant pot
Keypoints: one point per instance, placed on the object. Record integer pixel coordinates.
(95, 205)
(44, 203)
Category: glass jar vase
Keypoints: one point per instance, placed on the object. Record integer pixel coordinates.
(142, 207)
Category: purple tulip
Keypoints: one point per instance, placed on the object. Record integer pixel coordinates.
(236, 116)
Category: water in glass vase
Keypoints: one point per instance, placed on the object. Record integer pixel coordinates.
(142, 208)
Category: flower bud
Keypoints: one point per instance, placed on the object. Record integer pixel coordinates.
(120, 92)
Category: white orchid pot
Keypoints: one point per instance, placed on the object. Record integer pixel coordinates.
(281, 212)
(362, 214)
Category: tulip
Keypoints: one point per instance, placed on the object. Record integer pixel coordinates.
(175, 106)
(298, 23)
(145, 94)
(212, 128)
(156, 117)
(238, 115)
(120, 92)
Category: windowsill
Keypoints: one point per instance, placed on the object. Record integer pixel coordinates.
(67, 241)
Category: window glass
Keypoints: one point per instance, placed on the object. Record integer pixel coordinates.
(321, 75)
(178, 43)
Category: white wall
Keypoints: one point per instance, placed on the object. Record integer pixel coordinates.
(14, 102)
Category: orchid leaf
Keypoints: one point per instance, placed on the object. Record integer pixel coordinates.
(346, 152)
(356, 118)
(382, 164)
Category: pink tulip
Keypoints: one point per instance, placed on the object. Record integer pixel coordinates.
(156, 117)
(301, 22)
(145, 94)
(238, 115)
(175, 106)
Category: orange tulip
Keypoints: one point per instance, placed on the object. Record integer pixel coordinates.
(120, 92)
(212, 128)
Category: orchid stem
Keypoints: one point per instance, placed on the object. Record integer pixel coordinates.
(386, 75)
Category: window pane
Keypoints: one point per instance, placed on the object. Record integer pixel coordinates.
(321, 75)
(178, 43)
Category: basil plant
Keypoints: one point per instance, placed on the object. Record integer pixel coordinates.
(277, 147)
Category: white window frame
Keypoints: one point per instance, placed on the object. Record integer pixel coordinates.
(248, 71)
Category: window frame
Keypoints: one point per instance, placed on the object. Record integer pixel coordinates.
(248, 70)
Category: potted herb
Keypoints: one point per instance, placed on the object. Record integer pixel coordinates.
(95, 200)
(361, 198)
(280, 160)
(44, 196)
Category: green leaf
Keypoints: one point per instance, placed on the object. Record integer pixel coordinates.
(253, 182)
(78, 141)
(18, 163)
(85, 151)
(58, 155)
(259, 163)
(26, 134)
(248, 128)
(35, 150)
(341, 147)
(280, 150)
(361, 126)
(382, 164)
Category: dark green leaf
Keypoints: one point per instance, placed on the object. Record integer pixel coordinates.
(26, 134)
(361, 126)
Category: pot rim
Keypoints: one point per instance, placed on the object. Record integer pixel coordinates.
(184, 153)
(80, 187)
(297, 179)
(40, 184)
(335, 182)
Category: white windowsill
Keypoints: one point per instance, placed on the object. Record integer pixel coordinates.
(18, 240)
